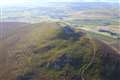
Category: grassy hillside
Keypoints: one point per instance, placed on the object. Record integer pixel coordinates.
(51, 51)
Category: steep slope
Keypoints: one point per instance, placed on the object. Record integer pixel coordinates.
(15, 47)
(51, 51)
(71, 55)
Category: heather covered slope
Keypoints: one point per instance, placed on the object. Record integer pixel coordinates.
(55, 51)
(17, 43)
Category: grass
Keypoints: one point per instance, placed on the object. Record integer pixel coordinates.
(65, 57)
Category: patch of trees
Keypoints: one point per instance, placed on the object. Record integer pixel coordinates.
(110, 32)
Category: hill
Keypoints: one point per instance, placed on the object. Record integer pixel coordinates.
(56, 51)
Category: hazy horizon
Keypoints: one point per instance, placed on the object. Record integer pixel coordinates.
(4, 3)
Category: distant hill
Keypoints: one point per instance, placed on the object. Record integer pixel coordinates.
(60, 11)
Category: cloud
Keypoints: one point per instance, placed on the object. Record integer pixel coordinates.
(77, 0)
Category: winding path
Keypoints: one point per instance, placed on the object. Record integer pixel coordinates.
(92, 59)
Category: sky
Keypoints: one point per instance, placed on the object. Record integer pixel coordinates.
(15, 2)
